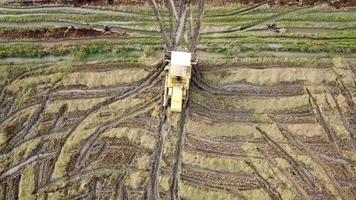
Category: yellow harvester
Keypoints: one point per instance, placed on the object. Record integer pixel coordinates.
(178, 74)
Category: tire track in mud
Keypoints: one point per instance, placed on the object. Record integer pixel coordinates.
(106, 127)
(301, 190)
(12, 187)
(242, 182)
(230, 91)
(39, 117)
(147, 84)
(103, 147)
(287, 174)
(59, 119)
(150, 82)
(27, 131)
(214, 153)
(218, 115)
(239, 11)
(302, 172)
(245, 89)
(155, 169)
(316, 159)
(44, 138)
(77, 177)
(86, 39)
(346, 122)
(218, 147)
(259, 22)
(178, 156)
(20, 111)
(212, 114)
(23, 124)
(330, 133)
(306, 37)
(120, 31)
(14, 169)
(71, 9)
(234, 147)
(302, 29)
(335, 20)
(3, 98)
(32, 72)
(65, 94)
(54, 95)
(271, 191)
(345, 91)
(7, 104)
(12, 114)
(218, 179)
(206, 68)
(119, 186)
(88, 171)
(92, 25)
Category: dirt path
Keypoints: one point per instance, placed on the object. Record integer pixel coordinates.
(212, 149)
(178, 157)
(155, 169)
(147, 84)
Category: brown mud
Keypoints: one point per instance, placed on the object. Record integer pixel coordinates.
(57, 33)
(338, 4)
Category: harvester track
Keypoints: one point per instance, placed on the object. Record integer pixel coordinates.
(163, 131)
(236, 137)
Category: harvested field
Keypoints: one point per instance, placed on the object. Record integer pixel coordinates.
(56, 33)
(271, 112)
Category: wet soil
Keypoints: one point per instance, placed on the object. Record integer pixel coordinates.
(241, 139)
(57, 33)
(337, 4)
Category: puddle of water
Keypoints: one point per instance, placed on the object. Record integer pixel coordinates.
(249, 45)
(112, 56)
(275, 46)
(117, 22)
(309, 29)
(283, 54)
(207, 55)
(18, 60)
(271, 46)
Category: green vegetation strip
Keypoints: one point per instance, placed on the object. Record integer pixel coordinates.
(28, 51)
(76, 18)
(122, 49)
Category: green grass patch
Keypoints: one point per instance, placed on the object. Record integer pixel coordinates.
(213, 10)
(331, 16)
(75, 18)
(81, 52)
(28, 51)
(237, 18)
(313, 24)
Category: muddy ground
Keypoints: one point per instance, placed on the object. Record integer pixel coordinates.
(58, 33)
(336, 3)
(271, 114)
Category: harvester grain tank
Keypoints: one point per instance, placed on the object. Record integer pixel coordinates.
(177, 80)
